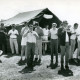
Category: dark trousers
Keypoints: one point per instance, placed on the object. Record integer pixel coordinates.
(54, 49)
(3, 46)
(30, 53)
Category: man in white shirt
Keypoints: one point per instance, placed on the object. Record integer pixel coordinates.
(54, 44)
(13, 33)
(31, 41)
(45, 37)
(73, 41)
(46, 32)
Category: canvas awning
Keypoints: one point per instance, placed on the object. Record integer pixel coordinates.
(42, 16)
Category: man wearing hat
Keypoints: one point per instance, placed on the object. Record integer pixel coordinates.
(64, 36)
(13, 33)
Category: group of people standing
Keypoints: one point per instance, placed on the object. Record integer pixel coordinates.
(68, 38)
(31, 44)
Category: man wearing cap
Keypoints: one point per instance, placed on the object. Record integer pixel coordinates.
(64, 36)
(54, 44)
(38, 49)
(13, 33)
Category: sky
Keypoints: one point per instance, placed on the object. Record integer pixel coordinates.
(64, 9)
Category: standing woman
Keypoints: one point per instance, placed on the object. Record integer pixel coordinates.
(24, 30)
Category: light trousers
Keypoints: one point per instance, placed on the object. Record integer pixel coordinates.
(72, 48)
(14, 45)
(65, 52)
(24, 50)
(78, 50)
(38, 49)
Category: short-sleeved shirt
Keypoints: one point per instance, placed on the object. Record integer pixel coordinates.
(53, 33)
(25, 31)
(24, 39)
(13, 33)
(46, 32)
(31, 38)
(73, 36)
(78, 33)
(39, 32)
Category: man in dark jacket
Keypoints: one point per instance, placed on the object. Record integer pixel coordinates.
(3, 42)
(64, 36)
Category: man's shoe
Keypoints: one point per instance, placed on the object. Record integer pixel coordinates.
(36, 59)
(39, 62)
(72, 62)
(67, 73)
(25, 61)
(66, 67)
(21, 62)
(62, 68)
(56, 64)
(62, 71)
(53, 66)
(0, 61)
(17, 54)
(1, 52)
(77, 62)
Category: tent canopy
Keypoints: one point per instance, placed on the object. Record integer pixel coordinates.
(43, 16)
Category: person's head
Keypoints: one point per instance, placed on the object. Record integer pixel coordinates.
(75, 25)
(30, 27)
(54, 25)
(37, 25)
(2, 25)
(69, 26)
(47, 26)
(65, 24)
(25, 24)
(13, 26)
(61, 25)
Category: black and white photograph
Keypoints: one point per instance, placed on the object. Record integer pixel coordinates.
(39, 39)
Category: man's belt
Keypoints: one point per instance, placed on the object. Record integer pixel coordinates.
(13, 38)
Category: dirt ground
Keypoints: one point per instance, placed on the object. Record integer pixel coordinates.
(10, 70)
